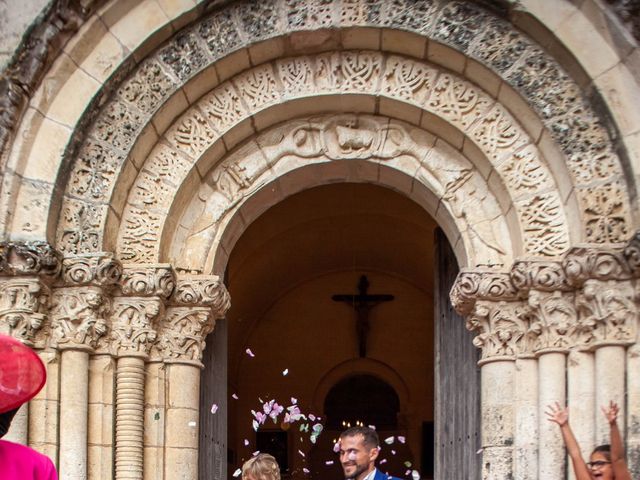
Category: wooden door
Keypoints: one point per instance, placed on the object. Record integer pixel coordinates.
(457, 379)
(212, 454)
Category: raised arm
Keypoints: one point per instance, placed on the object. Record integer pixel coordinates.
(557, 414)
(618, 462)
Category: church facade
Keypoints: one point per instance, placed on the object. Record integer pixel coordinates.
(140, 141)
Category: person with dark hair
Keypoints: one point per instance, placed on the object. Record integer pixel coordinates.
(22, 375)
(606, 461)
(359, 449)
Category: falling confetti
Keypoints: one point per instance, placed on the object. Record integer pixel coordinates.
(214, 408)
(479, 452)
(294, 400)
(301, 453)
(285, 372)
(393, 452)
(401, 439)
(336, 447)
(415, 475)
(329, 462)
(312, 417)
(249, 352)
(389, 440)
(246, 442)
(234, 396)
(305, 470)
(237, 472)
(192, 424)
(407, 464)
(257, 452)
(372, 427)
(383, 461)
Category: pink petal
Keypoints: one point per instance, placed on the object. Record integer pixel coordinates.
(329, 462)
(305, 470)
(234, 396)
(383, 461)
(301, 452)
(237, 473)
(294, 400)
(401, 439)
(246, 442)
(389, 440)
(285, 372)
(214, 408)
(249, 352)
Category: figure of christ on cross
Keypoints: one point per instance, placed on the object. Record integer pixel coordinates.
(363, 303)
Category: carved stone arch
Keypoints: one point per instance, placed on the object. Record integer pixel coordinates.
(578, 143)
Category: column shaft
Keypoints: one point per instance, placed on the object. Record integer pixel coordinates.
(44, 408)
(581, 400)
(100, 449)
(129, 418)
(610, 385)
(498, 398)
(526, 420)
(633, 405)
(74, 398)
(19, 431)
(552, 389)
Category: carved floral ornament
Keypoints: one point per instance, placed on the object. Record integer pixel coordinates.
(96, 305)
(589, 299)
(460, 25)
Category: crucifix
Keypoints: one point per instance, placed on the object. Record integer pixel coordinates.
(362, 303)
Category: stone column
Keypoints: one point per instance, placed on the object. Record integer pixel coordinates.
(27, 271)
(79, 309)
(490, 302)
(581, 399)
(197, 302)
(144, 288)
(632, 256)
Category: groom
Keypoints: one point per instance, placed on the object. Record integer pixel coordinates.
(359, 449)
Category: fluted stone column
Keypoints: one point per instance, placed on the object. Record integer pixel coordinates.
(79, 311)
(525, 460)
(195, 304)
(134, 324)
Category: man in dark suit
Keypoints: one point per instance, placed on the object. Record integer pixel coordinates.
(359, 449)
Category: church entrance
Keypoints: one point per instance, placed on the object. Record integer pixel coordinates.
(333, 318)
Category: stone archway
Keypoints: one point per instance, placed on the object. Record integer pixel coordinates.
(527, 143)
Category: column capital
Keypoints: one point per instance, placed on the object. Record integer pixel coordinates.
(553, 321)
(98, 269)
(133, 329)
(539, 274)
(151, 280)
(474, 285)
(202, 291)
(23, 309)
(502, 329)
(584, 262)
(181, 335)
(29, 258)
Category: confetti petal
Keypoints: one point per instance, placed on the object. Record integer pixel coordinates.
(383, 461)
(237, 473)
(285, 372)
(415, 475)
(407, 464)
(234, 396)
(301, 453)
(214, 408)
(312, 417)
(305, 470)
(393, 452)
(250, 353)
(329, 462)
(336, 447)
(255, 425)
(257, 452)
(389, 440)
(192, 424)
(294, 400)
(401, 439)
(246, 442)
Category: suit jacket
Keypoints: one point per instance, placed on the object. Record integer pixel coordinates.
(383, 476)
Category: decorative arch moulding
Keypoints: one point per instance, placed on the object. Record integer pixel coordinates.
(593, 168)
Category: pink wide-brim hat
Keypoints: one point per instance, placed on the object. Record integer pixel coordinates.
(22, 374)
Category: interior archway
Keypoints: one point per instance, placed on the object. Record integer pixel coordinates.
(282, 273)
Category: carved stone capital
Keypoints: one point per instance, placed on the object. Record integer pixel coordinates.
(553, 320)
(607, 313)
(534, 274)
(156, 280)
(501, 329)
(203, 291)
(23, 312)
(29, 258)
(133, 329)
(632, 254)
(79, 317)
(586, 262)
(181, 337)
(99, 269)
(471, 286)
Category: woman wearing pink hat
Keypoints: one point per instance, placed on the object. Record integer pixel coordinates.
(22, 375)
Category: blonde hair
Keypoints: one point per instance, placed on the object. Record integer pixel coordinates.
(261, 467)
